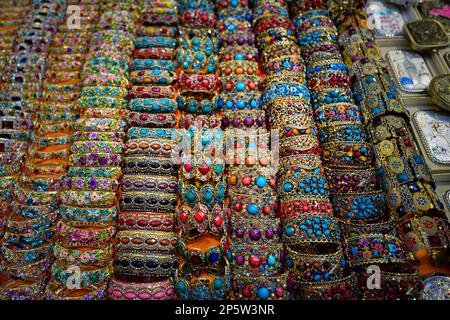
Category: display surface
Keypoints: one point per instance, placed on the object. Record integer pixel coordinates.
(223, 150)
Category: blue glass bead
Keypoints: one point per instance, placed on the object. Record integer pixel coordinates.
(240, 104)
(240, 86)
(263, 293)
(218, 283)
(271, 260)
(214, 257)
(253, 209)
(290, 230)
(287, 187)
(261, 181)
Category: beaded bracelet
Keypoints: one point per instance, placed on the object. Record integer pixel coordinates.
(244, 119)
(26, 256)
(240, 100)
(242, 83)
(194, 222)
(102, 102)
(149, 183)
(105, 80)
(341, 289)
(99, 136)
(152, 265)
(300, 144)
(82, 256)
(255, 259)
(138, 119)
(245, 207)
(149, 64)
(198, 17)
(162, 290)
(373, 249)
(88, 216)
(78, 236)
(111, 92)
(148, 201)
(153, 148)
(156, 31)
(278, 90)
(149, 221)
(30, 271)
(56, 291)
(208, 195)
(88, 198)
(89, 276)
(96, 147)
(152, 92)
(146, 241)
(308, 184)
(100, 124)
(155, 42)
(159, 133)
(202, 288)
(347, 155)
(255, 232)
(359, 206)
(149, 165)
(251, 181)
(154, 53)
(352, 181)
(198, 103)
(101, 172)
(197, 261)
(149, 19)
(197, 83)
(260, 288)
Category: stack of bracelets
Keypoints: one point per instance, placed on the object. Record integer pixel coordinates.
(202, 274)
(146, 244)
(255, 251)
(13, 19)
(88, 209)
(369, 230)
(404, 175)
(30, 219)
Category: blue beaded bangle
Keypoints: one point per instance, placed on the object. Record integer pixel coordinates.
(239, 101)
(277, 90)
(155, 42)
(193, 106)
(88, 215)
(166, 134)
(149, 64)
(153, 105)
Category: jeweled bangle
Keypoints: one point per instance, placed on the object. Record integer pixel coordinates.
(149, 183)
(347, 154)
(247, 53)
(402, 283)
(157, 19)
(111, 113)
(22, 290)
(90, 184)
(17, 224)
(88, 216)
(340, 113)
(145, 221)
(247, 180)
(152, 148)
(42, 184)
(96, 159)
(244, 119)
(247, 259)
(260, 287)
(255, 232)
(152, 92)
(100, 124)
(89, 275)
(157, 133)
(148, 201)
(310, 228)
(155, 76)
(162, 290)
(74, 236)
(44, 128)
(240, 100)
(149, 165)
(146, 241)
(359, 206)
(352, 181)
(245, 207)
(149, 64)
(14, 134)
(210, 261)
(98, 136)
(300, 144)
(112, 92)
(374, 248)
(30, 271)
(308, 184)
(88, 198)
(57, 291)
(341, 289)
(82, 256)
(286, 65)
(138, 119)
(105, 80)
(155, 42)
(351, 132)
(27, 256)
(33, 239)
(156, 31)
(102, 102)
(152, 265)
(194, 222)
(197, 83)
(39, 156)
(153, 105)
(100, 172)
(154, 53)
(202, 288)
(207, 194)
(51, 141)
(96, 147)
(316, 267)
(246, 83)
(198, 17)
(35, 198)
(198, 103)
(33, 212)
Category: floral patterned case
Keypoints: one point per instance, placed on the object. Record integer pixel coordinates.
(385, 19)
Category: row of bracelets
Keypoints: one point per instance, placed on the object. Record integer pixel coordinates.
(27, 243)
(146, 245)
